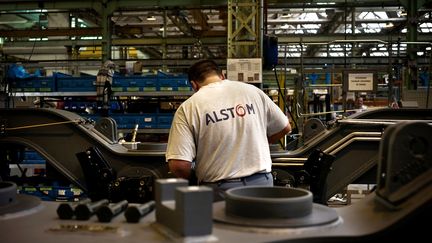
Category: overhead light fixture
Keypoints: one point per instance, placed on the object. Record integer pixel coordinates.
(403, 13)
(388, 25)
(151, 18)
(43, 17)
(285, 26)
(285, 15)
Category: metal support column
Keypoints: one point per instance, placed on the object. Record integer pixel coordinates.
(164, 41)
(106, 33)
(244, 28)
(411, 36)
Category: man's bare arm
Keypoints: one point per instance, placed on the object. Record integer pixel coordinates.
(180, 168)
(275, 137)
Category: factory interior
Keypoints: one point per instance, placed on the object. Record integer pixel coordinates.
(89, 90)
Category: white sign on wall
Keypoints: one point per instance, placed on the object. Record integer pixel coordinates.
(360, 81)
(247, 70)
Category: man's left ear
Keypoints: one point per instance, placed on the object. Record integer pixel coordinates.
(194, 85)
(222, 76)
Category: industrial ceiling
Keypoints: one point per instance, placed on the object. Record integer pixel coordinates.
(176, 32)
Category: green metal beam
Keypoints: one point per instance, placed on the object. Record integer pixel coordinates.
(111, 5)
(54, 5)
(122, 42)
(52, 32)
(244, 29)
(114, 5)
(334, 3)
(106, 33)
(209, 40)
(332, 37)
(293, 62)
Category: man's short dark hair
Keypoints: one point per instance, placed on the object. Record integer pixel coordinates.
(199, 71)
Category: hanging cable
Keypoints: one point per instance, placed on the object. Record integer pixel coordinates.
(295, 129)
(41, 125)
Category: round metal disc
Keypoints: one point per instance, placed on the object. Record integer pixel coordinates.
(320, 215)
(23, 202)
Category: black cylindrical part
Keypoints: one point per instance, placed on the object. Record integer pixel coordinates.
(107, 212)
(66, 210)
(134, 213)
(86, 210)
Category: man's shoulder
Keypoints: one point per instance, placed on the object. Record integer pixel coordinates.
(240, 84)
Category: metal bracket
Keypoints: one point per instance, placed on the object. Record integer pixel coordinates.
(108, 127)
(97, 172)
(318, 166)
(312, 127)
(3, 126)
(185, 210)
(405, 162)
(132, 189)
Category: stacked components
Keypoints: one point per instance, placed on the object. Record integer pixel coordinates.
(78, 95)
(59, 82)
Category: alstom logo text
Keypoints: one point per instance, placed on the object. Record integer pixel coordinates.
(229, 113)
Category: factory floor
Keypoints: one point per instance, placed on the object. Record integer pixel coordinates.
(352, 194)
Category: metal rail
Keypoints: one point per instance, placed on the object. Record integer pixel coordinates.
(344, 145)
(349, 137)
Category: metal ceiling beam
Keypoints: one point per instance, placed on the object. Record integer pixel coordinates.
(201, 19)
(322, 62)
(325, 21)
(152, 52)
(334, 3)
(293, 39)
(30, 51)
(123, 42)
(291, 62)
(168, 41)
(326, 29)
(139, 4)
(52, 32)
(117, 4)
(175, 63)
(111, 4)
(54, 5)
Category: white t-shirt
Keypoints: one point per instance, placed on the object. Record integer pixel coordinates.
(223, 128)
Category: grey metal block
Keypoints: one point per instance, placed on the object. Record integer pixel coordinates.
(190, 214)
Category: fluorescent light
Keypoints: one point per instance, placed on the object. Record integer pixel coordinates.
(151, 18)
(388, 25)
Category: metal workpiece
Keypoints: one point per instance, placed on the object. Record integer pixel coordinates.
(318, 166)
(272, 207)
(353, 141)
(66, 210)
(396, 210)
(86, 210)
(105, 213)
(58, 135)
(107, 126)
(182, 209)
(12, 204)
(8, 193)
(134, 213)
(268, 202)
(312, 127)
(405, 162)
